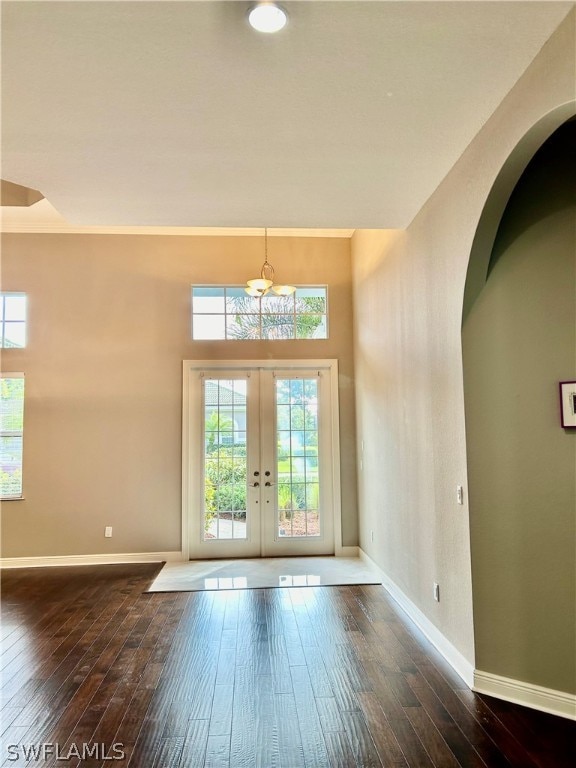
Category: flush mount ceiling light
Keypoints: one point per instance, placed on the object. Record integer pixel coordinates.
(260, 286)
(267, 17)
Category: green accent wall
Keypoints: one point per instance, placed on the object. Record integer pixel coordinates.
(519, 341)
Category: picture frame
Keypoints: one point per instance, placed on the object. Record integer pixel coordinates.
(568, 404)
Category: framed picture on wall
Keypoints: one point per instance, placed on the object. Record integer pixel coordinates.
(568, 403)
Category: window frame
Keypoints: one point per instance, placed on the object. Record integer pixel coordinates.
(8, 295)
(225, 314)
(15, 433)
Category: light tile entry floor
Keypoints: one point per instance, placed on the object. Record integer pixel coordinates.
(256, 573)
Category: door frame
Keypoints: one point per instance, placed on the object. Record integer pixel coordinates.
(329, 366)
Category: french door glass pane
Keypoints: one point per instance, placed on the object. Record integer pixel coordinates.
(225, 460)
(297, 458)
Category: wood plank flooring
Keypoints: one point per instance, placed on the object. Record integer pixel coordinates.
(318, 677)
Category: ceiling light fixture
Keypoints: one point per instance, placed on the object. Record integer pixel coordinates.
(267, 17)
(259, 286)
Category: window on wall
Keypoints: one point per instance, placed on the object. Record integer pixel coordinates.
(11, 434)
(227, 312)
(13, 319)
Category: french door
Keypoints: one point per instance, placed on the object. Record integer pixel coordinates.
(259, 459)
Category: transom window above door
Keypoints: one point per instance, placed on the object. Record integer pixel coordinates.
(226, 312)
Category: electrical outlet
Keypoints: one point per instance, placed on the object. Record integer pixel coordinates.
(437, 592)
(108, 532)
(460, 494)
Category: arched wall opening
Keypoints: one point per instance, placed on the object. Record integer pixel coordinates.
(499, 195)
(518, 342)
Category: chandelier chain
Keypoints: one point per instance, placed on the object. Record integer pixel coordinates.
(260, 287)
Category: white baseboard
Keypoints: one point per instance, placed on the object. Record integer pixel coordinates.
(527, 694)
(108, 559)
(457, 661)
(347, 551)
(515, 691)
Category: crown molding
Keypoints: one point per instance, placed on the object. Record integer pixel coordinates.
(43, 218)
(55, 229)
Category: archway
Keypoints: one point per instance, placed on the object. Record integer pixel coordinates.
(500, 194)
(519, 340)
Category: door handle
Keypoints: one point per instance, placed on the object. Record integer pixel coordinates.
(267, 484)
(254, 485)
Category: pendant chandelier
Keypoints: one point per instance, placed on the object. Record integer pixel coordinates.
(259, 286)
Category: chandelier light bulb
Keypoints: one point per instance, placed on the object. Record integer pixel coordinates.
(259, 283)
(283, 290)
(267, 17)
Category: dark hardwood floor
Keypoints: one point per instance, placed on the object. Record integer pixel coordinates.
(94, 669)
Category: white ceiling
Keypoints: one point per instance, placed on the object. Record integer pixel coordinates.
(179, 114)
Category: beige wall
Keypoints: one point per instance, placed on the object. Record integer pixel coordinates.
(109, 326)
(409, 289)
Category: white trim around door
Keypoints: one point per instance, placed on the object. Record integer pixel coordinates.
(195, 371)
